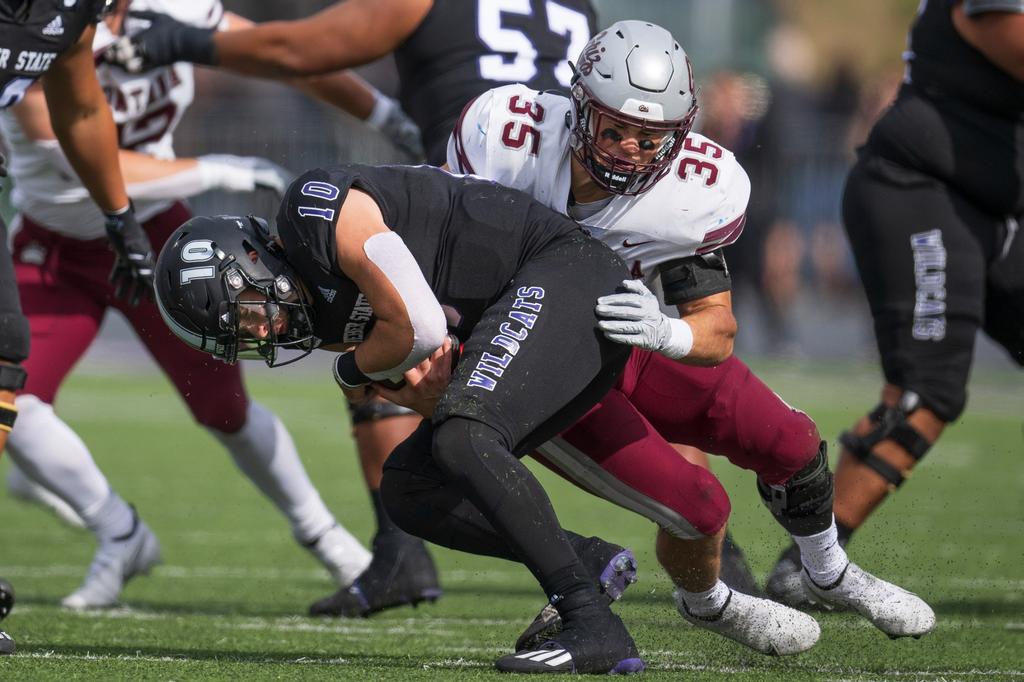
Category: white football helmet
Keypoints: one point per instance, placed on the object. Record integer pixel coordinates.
(632, 73)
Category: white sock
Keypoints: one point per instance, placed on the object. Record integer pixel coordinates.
(266, 454)
(822, 556)
(51, 454)
(709, 603)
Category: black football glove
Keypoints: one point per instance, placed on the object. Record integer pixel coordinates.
(132, 275)
(165, 41)
(3, 166)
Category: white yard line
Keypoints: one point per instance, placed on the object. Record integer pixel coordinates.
(463, 663)
(451, 576)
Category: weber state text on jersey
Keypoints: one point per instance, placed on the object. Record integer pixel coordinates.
(519, 137)
(469, 237)
(465, 47)
(146, 108)
(33, 33)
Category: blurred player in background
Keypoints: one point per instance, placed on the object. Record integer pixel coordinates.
(932, 209)
(61, 265)
(447, 52)
(619, 157)
(43, 41)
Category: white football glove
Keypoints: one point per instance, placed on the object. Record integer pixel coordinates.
(635, 319)
(244, 173)
(389, 118)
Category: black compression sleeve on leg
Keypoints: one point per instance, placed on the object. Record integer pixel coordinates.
(474, 456)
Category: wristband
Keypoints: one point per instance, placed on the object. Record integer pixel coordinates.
(347, 374)
(680, 339)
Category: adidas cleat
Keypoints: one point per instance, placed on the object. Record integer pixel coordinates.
(401, 573)
(891, 609)
(342, 555)
(785, 584)
(761, 624)
(615, 569)
(593, 642)
(116, 562)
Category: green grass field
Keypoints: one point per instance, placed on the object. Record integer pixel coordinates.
(227, 603)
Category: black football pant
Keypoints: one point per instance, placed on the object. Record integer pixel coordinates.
(14, 334)
(936, 269)
(532, 366)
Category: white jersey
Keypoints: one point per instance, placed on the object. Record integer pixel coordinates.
(520, 138)
(146, 109)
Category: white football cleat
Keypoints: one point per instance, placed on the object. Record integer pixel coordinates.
(342, 555)
(891, 609)
(115, 563)
(23, 488)
(761, 624)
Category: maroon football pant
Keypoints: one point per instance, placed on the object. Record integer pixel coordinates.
(621, 449)
(64, 288)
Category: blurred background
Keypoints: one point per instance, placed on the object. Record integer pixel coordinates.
(790, 86)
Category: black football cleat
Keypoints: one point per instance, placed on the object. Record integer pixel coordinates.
(6, 644)
(593, 641)
(6, 598)
(735, 571)
(614, 569)
(401, 573)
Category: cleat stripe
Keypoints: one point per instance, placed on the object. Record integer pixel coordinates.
(548, 654)
(565, 657)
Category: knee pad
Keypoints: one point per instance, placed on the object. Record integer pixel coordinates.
(14, 333)
(889, 423)
(803, 504)
(375, 410)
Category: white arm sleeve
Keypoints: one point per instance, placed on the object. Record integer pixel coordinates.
(388, 252)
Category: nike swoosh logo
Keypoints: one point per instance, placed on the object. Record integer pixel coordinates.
(625, 242)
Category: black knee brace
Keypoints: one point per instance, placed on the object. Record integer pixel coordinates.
(803, 505)
(890, 423)
(375, 410)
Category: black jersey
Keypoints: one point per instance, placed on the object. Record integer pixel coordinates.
(469, 236)
(464, 48)
(942, 64)
(33, 33)
(958, 117)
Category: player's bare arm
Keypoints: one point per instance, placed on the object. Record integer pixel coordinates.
(350, 93)
(410, 323)
(82, 122)
(997, 35)
(343, 35)
(713, 326)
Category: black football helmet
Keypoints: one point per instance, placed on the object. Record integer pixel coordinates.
(206, 266)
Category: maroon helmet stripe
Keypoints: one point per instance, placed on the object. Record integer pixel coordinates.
(460, 150)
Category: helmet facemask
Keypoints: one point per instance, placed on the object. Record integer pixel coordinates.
(592, 120)
(278, 302)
